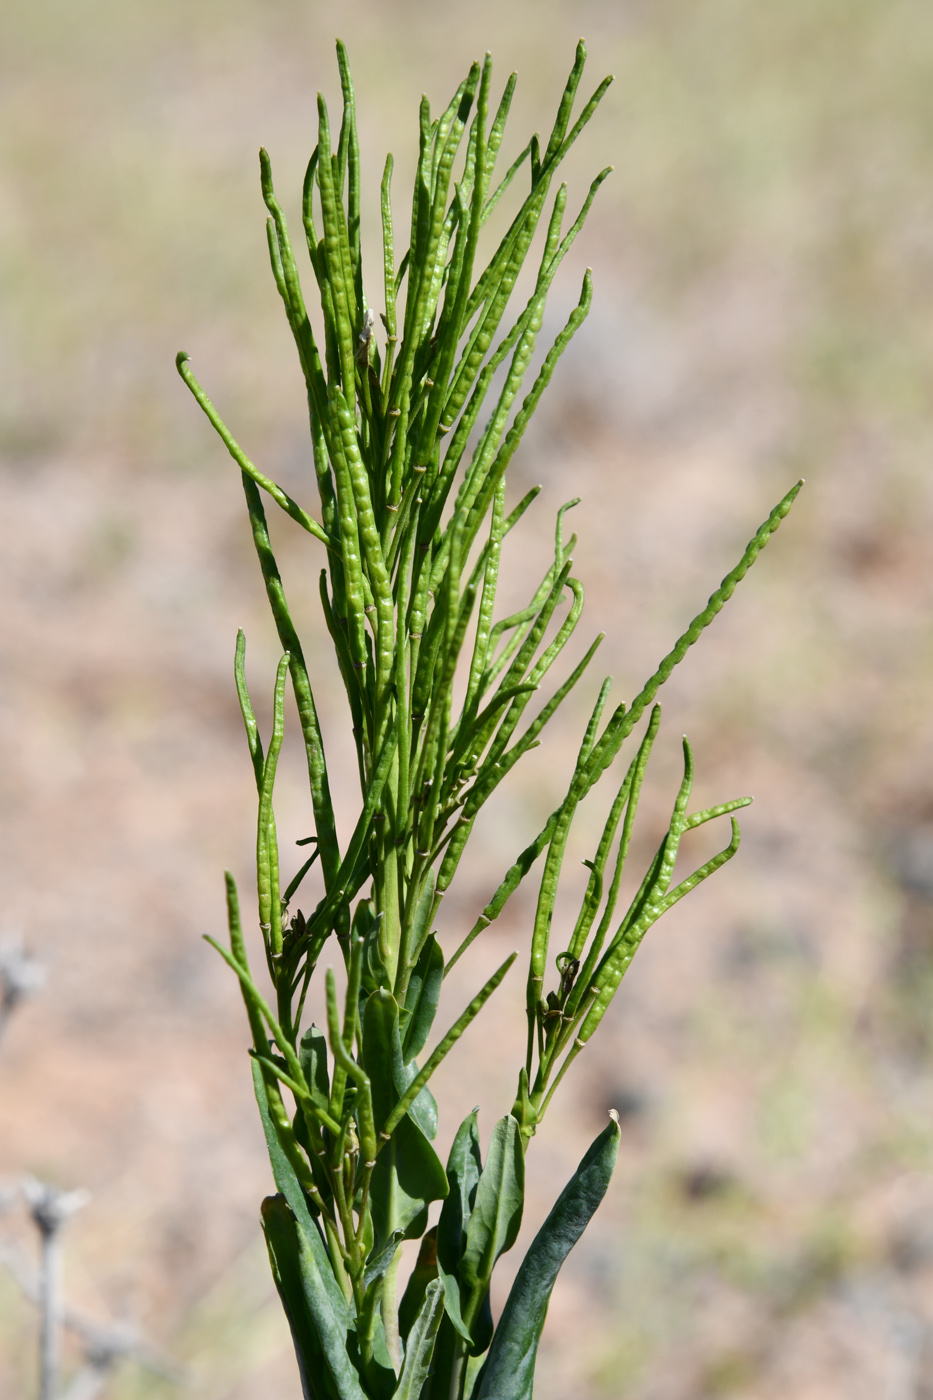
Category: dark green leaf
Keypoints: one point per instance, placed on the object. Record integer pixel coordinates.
(332, 1303)
(405, 1068)
(420, 1346)
(377, 1264)
(421, 998)
(408, 1173)
(320, 1338)
(281, 1232)
(377, 1372)
(421, 926)
(509, 1370)
(424, 1272)
(497, 1208)
(380, 1019)
(312, 1056)
(424, 1108)
(464, 1169)
(437, 1386)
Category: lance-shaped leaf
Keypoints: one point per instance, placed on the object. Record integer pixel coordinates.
(509, 1370)
(424, 1108)
(408, 1174)
(284, 1244)
(424, 989)
(420, 1346)
(464, 1169)
(496, 1217)
(302, 1255)
(377, 1264)
(424, 1272)
(312, 1056)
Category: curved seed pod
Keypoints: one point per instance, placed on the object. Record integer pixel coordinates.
(304, 698)
(619, 956)
(633, 782)
(280, 497)
(593, 896)
(246, 708)
(623, 722)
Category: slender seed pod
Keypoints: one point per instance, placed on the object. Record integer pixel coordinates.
(337, 253)
(267, 846)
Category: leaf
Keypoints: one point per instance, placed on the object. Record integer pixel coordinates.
(380, 1018)
(437, 1386)
(377, 1264)
(377, 1372)
(404, 1066)
(333, 1301)
(320, 1337)
(497, 1210)
(421, 923)
(424, 1272)
(281, 1232)
(312, 1056)
(420, 1347)
(509, 1370)
(408, 1174)
(464, 1169)
(421, 999)
(424, 1108)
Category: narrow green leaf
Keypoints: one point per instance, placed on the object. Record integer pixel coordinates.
(420, 1345)
(464, 1169)
(378, 1262)
(408, 1173)
(424, 989)
(424, 1272)
(508, 1373)
(497, 1209)
(282, 1240)
(326, 1304)
(312, 1056)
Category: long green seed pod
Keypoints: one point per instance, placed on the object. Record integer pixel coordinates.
(267, 846)
(280, 497)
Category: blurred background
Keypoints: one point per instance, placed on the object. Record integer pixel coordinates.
(763, 260)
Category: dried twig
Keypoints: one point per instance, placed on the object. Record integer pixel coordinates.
(103, 1344)
(21, 976)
